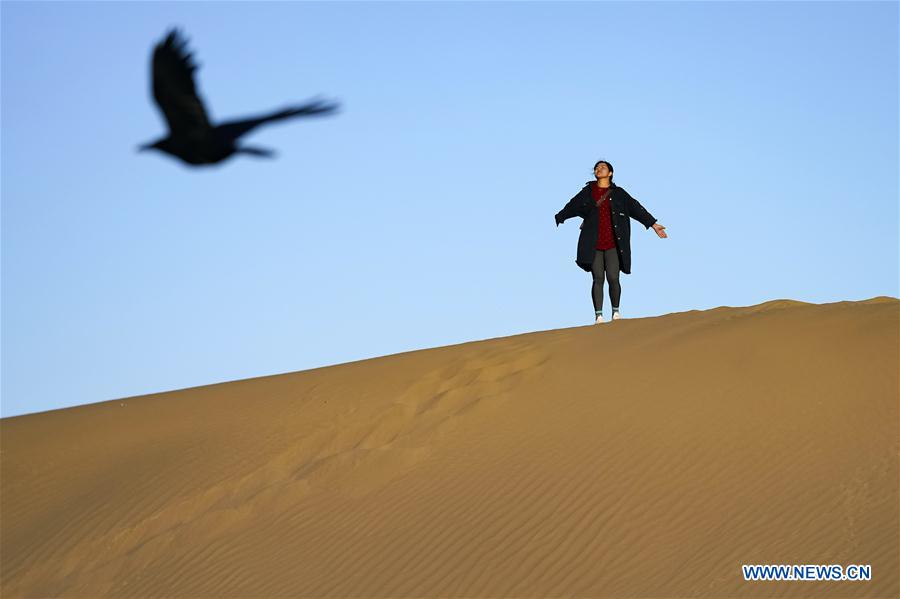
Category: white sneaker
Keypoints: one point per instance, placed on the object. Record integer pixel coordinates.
(616, 316)
(599, 319)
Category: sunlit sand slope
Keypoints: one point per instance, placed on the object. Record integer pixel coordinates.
(647, 457)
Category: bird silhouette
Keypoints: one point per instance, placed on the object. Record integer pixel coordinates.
(192, 138)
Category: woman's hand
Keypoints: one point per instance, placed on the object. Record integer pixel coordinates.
(660, 230)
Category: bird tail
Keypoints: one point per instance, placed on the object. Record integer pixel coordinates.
(262, 152)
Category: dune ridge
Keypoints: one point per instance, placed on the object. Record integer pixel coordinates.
(647, 457)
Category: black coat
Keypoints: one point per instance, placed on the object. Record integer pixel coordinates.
(622, 206)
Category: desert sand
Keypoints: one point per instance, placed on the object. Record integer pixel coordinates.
(647, 457)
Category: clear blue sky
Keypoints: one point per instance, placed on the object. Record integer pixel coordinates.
(763, 135)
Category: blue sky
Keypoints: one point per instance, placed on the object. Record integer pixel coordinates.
(763, 135)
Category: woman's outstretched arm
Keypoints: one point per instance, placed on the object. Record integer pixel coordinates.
(573, 208)
(640, 214)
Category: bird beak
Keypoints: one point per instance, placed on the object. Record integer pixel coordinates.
(144, 147)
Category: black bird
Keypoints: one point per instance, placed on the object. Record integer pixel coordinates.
(191, 136)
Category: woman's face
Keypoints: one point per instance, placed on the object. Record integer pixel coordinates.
(601, 170)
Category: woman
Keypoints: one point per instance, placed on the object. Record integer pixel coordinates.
(604, 245)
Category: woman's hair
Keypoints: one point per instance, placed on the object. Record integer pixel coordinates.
(608, 165)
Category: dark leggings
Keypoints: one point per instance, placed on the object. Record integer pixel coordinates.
(606, 262)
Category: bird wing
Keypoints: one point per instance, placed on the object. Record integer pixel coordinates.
(234, 129)
(173, 86)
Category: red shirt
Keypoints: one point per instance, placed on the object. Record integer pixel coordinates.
(606, 238)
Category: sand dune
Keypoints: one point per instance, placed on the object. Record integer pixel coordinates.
(646, 457)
